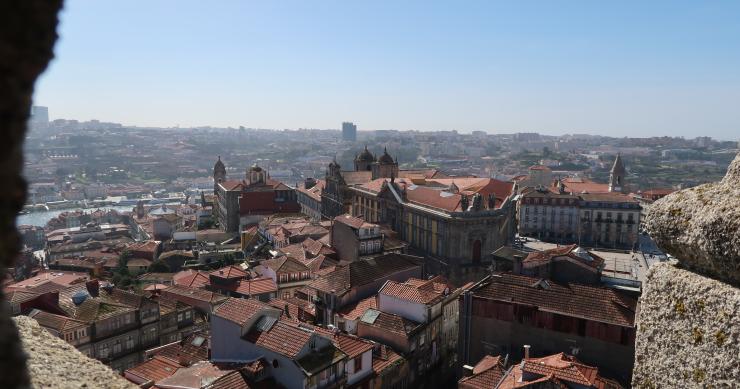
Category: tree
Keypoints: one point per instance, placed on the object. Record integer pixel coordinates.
(159, 267)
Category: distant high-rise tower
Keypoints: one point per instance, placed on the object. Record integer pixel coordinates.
(39, 115)
(616, 176)
(349, 131)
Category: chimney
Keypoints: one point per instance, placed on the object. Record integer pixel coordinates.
(526, 351)
(467, 370)
(287, 310)
(93, 287)
(518, 263)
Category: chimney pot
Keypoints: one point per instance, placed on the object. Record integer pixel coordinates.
(467, 371)
(526, 351)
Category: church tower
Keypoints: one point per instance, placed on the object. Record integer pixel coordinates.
(219, 174)
(385, 167)
(364, 161)
(616, 176)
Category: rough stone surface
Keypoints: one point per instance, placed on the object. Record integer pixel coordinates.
(27, 36)
(701, 226)
(53, 363)
(688, 331)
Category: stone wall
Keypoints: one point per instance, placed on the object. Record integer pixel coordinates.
(53, 363)
(27, 36)
(688, 332)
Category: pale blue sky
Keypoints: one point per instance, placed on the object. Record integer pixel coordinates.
(626, 68)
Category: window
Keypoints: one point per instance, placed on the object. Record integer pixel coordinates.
(104, 350)
(179, 317)
(129, 342)
(127, 319)
(187, 314)
(358, 363)
(117, 347)
(275, 363)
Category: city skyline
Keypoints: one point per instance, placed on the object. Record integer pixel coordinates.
(623, 70)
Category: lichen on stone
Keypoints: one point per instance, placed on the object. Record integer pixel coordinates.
(701, 226)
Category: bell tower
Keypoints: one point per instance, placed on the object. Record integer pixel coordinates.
(219, 174)
(616, 176)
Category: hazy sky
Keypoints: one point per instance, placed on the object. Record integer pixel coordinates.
(625, 68)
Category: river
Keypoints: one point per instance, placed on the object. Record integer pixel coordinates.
(41, 218)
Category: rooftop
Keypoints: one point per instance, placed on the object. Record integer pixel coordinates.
(594, 303)
(363, 272)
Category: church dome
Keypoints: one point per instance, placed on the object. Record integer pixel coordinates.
(386, 158)
(365, 156)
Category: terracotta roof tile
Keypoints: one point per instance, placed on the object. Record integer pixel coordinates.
(359, 273)
(384, 357)
(352, 345)
(355, 311)
(195, 293)
(416, 290)
(578, 185)
(284, 337)
(389, 322)
(486, 374)
(539, 258)
(594, 303)
(240, 311)
(354, 222)
(229, 272)
(154, 369)
(191, 278)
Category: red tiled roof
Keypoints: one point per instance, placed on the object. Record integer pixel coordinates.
(295, 307)
(194, 293)
(539, 258)
(594, 303)
(389, 322)
(238, 310)
(486, 374)
(154, 369)
(352, 345)
(612, 197)
(359, 273)
(285, 265)
(194, 348)
(191, 278)
(232, 185)
(315, 191)
(229, 272)
(559, 369)
(231, 380)
(383, 358)
(355, 311)
(578, 185)
(204, 375)
(21, 296)
(56, 322)
(433, 198)
(417, 291)
(563, 367)
(255, 286)
(283, 337)
(354, 222)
